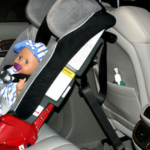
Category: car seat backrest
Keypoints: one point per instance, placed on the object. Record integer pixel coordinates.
(136, 24)
(69, 13)
(36, 11)
(131, 55)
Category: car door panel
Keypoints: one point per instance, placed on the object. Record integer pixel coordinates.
(12, 29)
(8, 33)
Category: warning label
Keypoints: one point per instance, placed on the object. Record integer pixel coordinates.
(60, 84)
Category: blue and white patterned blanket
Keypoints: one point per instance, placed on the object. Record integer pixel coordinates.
(9, 91)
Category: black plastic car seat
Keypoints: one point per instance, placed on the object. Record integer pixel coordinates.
(73, 24)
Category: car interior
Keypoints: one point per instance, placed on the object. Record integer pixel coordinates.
(72, 124)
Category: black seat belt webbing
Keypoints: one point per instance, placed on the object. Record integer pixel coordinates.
(44, 34)
(103, 75)
(96, 102)
(101, 117)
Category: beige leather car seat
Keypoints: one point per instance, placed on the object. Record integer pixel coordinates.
(131, 55)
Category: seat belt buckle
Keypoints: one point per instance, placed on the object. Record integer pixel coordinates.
(6, 77)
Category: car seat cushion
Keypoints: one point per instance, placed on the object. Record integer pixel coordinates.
(35, 12)
(60, 20)
(49, 139)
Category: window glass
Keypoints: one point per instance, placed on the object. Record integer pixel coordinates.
(12, 10)
(138, 3)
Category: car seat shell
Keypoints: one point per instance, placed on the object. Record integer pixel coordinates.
(24, 35)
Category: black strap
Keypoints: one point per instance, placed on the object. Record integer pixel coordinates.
(101, 117)
(111, 38)
(4, 77)
(103, 75)
(95, 102)
(44, 34)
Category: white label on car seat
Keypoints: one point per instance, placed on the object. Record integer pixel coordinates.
(21, 147)
(67, 90)
(60, 84)
(77, 61)
(38, 111)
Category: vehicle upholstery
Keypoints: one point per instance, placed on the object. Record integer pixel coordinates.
(130, 54)
(74, 120)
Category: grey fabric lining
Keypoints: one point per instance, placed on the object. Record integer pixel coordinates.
(77, 24)
(36, 11)
(65, 13)
(32, 31)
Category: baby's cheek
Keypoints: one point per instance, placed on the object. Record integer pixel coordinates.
(23, 70)
(27, 70)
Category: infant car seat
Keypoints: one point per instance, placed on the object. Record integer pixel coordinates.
(82, 25)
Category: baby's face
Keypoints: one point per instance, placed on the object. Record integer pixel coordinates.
(25, 62)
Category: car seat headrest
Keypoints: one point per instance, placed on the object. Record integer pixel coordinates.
(36, 11)
(66, 13)
(135, 23)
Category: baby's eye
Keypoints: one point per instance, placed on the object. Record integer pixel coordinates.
(20, 58)
(27, 62)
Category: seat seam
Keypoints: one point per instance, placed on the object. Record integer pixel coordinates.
(61, 145)
(49, 137)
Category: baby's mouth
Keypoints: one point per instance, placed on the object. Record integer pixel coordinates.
(17, 66)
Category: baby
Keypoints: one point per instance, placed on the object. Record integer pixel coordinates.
(12, 79)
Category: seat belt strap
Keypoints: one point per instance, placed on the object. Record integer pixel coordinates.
(102, 69)
(6, 78)
(101, 117)
(44, 34)
(103, 75)
(96, 102)
(100, 72)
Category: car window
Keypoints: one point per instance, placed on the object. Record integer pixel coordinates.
(13, 10)
(138, 3)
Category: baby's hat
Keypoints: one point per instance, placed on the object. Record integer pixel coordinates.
(38, 49)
